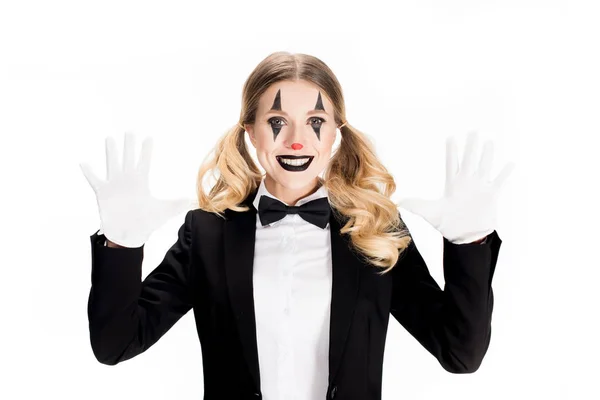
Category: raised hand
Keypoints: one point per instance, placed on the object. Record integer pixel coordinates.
(128, 211)
(467, 210)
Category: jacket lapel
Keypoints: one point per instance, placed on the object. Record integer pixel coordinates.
(239, 237)
(346, 276)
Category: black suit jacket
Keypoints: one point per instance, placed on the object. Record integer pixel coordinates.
(209, 270)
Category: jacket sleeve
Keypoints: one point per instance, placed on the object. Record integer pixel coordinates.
(453, 324)
(127, 316)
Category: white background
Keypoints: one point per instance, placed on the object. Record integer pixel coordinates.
(525, 74)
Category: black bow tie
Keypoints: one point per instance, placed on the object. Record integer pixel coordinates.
(315, 211)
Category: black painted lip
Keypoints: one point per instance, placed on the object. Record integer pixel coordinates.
(287, 167)
(295, 157)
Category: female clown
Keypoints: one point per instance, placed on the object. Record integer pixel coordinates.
(292, 274)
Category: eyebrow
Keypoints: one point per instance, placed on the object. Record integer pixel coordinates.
(310, 112)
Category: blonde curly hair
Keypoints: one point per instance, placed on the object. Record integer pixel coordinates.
(359, 186)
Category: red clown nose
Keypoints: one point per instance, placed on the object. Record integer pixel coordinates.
(296, 146)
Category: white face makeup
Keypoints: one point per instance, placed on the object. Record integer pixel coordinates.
(293, 134)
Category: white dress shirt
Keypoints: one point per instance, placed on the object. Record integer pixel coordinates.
(292, 298)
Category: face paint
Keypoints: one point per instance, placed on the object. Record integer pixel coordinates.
(318, 106)
(276, 106)
(306, 110)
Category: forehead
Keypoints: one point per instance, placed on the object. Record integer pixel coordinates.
(294, 96)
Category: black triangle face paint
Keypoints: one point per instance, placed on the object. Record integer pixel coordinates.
(276, 106)
(318, 106)
(277, 101)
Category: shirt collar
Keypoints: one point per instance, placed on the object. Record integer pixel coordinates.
(262, 190)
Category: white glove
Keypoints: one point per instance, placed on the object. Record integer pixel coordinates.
(467, 211)
(128, 212)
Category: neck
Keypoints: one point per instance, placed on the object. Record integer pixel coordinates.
(290, 196)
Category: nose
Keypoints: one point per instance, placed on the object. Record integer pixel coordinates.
(295, 135)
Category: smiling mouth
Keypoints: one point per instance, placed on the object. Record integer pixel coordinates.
(294, 163)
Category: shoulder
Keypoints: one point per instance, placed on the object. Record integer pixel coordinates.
(206, 228)
(202, 219)
(203, 215)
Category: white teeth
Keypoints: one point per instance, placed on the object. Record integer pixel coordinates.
(297, 162)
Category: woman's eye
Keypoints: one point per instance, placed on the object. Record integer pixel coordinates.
(271, 120)
(318, 120)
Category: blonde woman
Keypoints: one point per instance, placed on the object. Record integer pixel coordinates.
(292, 276)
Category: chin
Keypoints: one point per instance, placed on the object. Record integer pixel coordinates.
(292, 182)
